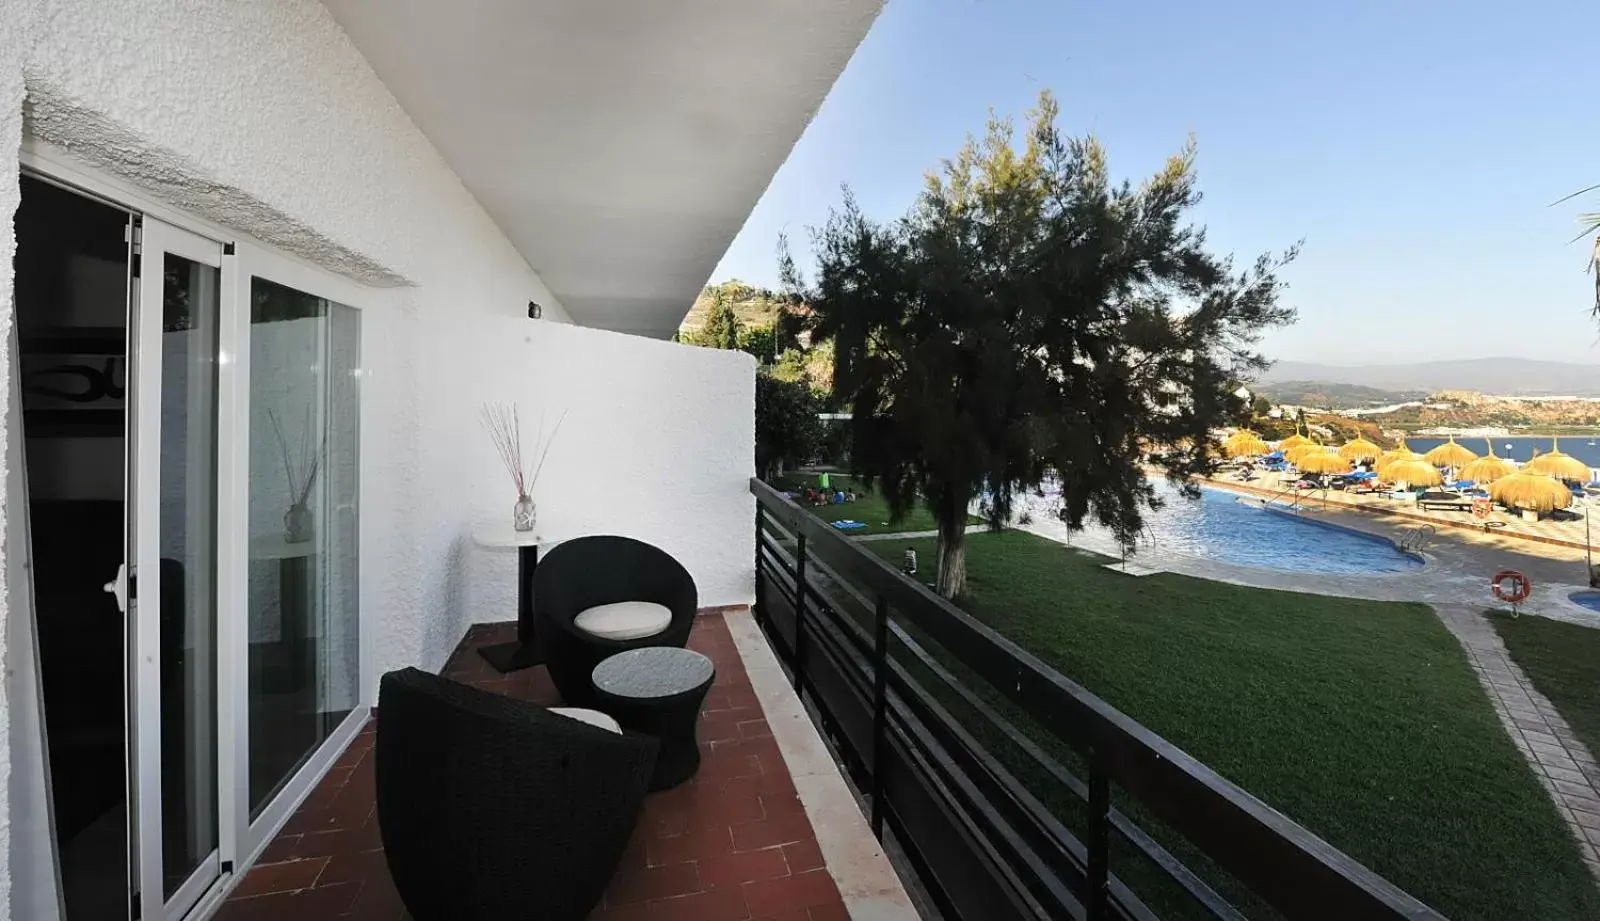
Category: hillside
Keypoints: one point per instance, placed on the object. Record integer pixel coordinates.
(1501, 376)
(753, 306)
(1469, 410)
(1332, 395)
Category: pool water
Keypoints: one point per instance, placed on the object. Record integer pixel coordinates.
(1221, 527)
(1586, 599)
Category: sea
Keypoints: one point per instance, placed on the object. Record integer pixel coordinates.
(1520, 448)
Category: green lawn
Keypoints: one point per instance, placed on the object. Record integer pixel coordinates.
(870, 508)
(1361, 720)
(1563, 662)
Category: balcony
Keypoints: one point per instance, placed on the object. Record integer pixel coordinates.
(961, 747)
(741, 840)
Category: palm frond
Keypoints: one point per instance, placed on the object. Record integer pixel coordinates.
(1589, 224)
(1567, 198)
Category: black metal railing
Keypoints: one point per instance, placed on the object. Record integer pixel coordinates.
(876, 655)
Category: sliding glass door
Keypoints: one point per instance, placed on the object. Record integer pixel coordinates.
(173, 554)
(240, 641)
(303, 631)
(243, 554)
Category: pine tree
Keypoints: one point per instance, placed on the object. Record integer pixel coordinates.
(1028, 314)
(722, 327)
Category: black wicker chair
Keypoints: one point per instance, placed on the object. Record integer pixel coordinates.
(495, 808)
(590, 571)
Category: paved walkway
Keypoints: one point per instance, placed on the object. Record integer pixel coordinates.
(914, 535)
(1565, 768)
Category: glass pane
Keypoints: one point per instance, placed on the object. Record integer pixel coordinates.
(304, 461)
(188, 567)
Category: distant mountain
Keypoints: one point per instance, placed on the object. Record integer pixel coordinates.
(1331, 395)
(1500, 376)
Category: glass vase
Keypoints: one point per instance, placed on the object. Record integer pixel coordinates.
(524, 514)
(297, 525)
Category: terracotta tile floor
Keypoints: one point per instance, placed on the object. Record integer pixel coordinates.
(732, 844)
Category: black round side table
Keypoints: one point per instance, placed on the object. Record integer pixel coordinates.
(657, 691)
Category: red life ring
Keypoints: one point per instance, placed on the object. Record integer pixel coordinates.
(1518, 589)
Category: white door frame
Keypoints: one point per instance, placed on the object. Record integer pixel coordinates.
(144, 433)
(35, 877)
(241, 842)
(252, 837)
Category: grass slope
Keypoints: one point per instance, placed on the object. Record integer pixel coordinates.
(1563, 662)
(1361, 720)
(871, 508)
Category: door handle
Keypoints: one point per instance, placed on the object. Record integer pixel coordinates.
(118, 588)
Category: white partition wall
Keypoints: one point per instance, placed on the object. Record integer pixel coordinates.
(658, 443)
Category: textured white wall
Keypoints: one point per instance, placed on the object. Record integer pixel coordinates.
(18, 24)
(263, 117)
(658, 444)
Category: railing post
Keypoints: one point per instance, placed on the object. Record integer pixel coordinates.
(880, 702)
(1098, 843)
(800, 611)
(756, 609)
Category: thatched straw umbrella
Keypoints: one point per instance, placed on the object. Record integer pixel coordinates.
(1359, 449)
(1294, 441)
(1299, 452)
(1561, 466)
(1402, 453)
(1245, 443)
(1450, 454)
(1537, 492)
(1324, 461)
(1412, 471)
(1488, 468)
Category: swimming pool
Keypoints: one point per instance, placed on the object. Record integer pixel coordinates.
(1221, 527)
(1586, 599)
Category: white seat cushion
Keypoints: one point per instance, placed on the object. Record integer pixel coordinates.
(592, 717)
(624, 620)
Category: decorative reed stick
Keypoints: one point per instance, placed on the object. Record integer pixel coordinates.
(302, 472)
(505, 430)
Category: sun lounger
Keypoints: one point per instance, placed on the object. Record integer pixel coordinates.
(1444, 501)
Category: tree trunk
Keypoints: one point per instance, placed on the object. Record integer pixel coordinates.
(952, 548)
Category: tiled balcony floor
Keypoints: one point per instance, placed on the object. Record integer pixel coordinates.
(731, 844)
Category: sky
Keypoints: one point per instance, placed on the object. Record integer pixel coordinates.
(1415, 147)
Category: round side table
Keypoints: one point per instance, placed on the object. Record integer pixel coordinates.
(522, 652)
(657, 691)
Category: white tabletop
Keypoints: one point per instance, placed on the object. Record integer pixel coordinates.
(276, 548)
(505, 536)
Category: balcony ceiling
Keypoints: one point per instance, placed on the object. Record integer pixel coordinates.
(619, 144)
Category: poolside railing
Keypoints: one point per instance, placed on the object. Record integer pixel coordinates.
(923, 705)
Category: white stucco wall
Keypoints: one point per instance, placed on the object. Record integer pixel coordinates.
(17, 29)
(657, 444)
(262, 117)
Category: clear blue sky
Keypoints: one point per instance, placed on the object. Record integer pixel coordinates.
(1414, 146)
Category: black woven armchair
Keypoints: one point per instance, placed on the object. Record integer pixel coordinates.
(495, 808)
(591, 571)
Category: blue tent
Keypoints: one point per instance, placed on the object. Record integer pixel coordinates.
(1274, 456)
